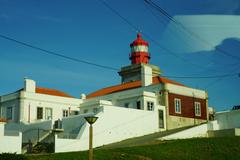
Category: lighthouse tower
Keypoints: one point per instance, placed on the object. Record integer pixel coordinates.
(139, 51)
(140, 69)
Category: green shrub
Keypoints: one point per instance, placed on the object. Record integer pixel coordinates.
(43, 148)
(12, 156)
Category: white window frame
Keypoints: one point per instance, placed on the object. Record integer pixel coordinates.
(177, 105)
(139, 48)
(65, 113)
(150, 105)
(46, 114)
(197, 107)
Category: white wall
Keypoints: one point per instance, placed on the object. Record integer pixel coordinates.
(182, 90)
(223, 121)
(29, 85)
(198, 131)
(25, 102)
(31, 101)
(131, 97)
(119, 98)
(29, 131)
(72, 125)
(228, 119)
(146, 75)
(10, 100)
(114, 124)
(224, 133)
(10, 144)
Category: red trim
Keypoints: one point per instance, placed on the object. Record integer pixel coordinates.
(3, 120)
(139, 57)
(139, 41)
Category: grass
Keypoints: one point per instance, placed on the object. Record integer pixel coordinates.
(196, 149)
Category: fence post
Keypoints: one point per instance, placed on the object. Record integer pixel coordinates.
(29, 146)
(38, 136)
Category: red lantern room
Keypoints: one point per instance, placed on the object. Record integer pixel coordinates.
(139, 51)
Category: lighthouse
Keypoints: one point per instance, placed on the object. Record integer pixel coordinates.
(139, 51)
(140, 69)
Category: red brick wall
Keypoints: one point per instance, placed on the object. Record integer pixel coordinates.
(187, 106)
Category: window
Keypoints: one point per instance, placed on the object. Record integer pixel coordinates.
(126, 105)
(95, 110)
(9, 113)
(177, 104)
(0, 112)
(39, 113)
(150, 106)
(48, 113)
(74, 112)
(65, 113)
(197, 108)
(138, 104)
(161, 118)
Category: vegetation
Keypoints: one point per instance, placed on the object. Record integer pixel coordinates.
(199, 148)
(43, 148)
(10, 156)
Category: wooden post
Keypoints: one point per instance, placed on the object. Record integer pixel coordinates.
(90, 142)
(91, 120)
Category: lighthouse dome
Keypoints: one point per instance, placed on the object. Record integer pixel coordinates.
(139, 41)
(139, 51)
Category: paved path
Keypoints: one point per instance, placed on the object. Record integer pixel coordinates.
(143, 140)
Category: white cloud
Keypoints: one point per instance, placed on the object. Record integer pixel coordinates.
(211, 28)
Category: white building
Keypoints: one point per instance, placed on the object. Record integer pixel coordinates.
(144, 88)
(143, 103)
(33, 104)
(10, 143)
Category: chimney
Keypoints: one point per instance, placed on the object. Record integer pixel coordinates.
(146, 75)
(29, 85)
(83, 96)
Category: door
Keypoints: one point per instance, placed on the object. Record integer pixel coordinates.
(48, 113)
(161, 118)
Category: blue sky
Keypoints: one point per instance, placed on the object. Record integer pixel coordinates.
(87, 30)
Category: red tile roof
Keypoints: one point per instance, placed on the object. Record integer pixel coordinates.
(158, 79)
(52, 92)
(3, 120)
(130, 85)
